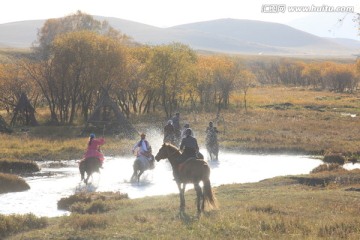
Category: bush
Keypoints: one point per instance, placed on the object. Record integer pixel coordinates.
(327, 167)
(89, 202)
(18, 166)
(334, 158)
(19, 223)
(12, 183)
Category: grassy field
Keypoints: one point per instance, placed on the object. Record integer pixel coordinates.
(322, 205)
(279, 208)
(278, 120)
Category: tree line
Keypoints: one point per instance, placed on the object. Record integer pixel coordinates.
(77, 57)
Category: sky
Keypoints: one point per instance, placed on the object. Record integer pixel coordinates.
(163, 13)
(168, 13)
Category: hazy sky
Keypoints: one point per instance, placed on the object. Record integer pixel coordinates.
(163, 13)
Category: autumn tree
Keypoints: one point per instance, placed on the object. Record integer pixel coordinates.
(169, 69)
(79, 65)
(340, 77)
(52, 28)
(245, 80)
(13, 83)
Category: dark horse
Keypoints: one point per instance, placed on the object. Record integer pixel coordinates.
(140, 166)
(191, 171)
(89, 165)
(212, 145)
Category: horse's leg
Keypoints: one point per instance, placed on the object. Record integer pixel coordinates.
(199, 197)
(138, 176)
(182, 198)
(87, 178)
(82, 170)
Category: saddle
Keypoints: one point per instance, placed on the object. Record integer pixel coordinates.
(181, 165)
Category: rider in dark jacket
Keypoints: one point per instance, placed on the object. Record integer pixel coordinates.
(189, 146)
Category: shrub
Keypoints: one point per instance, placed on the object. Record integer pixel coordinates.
(327, 167)
(12, 183)
(18, 166)
(89, 202)
(19, 223)
(334, 158)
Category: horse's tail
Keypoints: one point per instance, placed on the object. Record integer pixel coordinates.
(209, 196)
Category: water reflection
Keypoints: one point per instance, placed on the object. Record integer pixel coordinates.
(42, 198)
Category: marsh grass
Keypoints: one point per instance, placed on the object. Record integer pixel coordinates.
(18, 166)
(12, 183)
(313, 122)
(20, 223)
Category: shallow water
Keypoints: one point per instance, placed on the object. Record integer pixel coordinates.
(45, 191)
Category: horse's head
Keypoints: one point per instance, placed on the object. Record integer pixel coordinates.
(166, 151)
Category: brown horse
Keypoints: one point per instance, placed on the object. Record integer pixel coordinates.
(191, 171)
(89, 165)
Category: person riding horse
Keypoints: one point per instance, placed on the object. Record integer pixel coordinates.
(176, 123)
(188, 146)
(143, 151)
(93, 158)
(211, 141)
(93, 148)
(169, 132)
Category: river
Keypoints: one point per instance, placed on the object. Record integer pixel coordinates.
(52, 184)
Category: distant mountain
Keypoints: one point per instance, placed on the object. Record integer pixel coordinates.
(222, 35)
(19, 34)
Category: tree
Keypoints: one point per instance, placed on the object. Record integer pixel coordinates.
(14, 83)
(76, 22)
(245, 80)
(170, 68)
(80, 64)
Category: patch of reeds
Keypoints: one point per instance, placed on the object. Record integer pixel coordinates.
(13, 224)
(90, 202)
(18, 166)
(12, 183)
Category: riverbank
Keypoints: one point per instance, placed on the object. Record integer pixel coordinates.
(278, 208)
(278, 120)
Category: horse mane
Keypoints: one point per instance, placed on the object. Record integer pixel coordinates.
(172, 146)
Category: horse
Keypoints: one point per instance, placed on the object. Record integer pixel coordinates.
(89, 165)
(212, 145)
(141, 164)
(191, 171)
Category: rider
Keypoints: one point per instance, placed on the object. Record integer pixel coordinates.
(143, 151)
(169, 132)
(93, 148)
(211, 129)
(176, 124)
(189, 146)
(186, 126)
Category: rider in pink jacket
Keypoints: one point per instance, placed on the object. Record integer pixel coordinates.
(93, 149)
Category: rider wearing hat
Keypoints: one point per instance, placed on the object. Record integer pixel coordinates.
(189, 146)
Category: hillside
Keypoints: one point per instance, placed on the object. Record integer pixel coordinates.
(222, 35)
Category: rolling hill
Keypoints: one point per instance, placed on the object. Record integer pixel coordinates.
(223, 35)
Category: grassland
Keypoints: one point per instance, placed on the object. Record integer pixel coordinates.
(279, 208)
(321, 205)
(286, 120)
